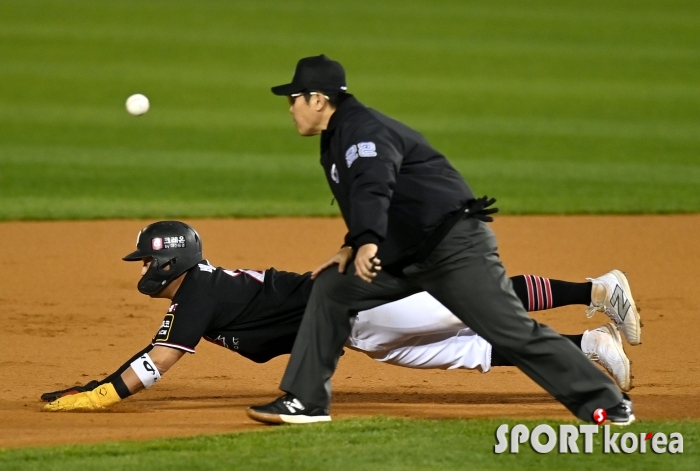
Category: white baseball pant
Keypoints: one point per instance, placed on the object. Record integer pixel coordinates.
(419, 332)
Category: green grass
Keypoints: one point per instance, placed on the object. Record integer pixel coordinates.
(358, 444)
(550, 106)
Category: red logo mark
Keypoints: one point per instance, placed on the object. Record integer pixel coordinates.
(599, 416)
(649, 435)
(157, 243)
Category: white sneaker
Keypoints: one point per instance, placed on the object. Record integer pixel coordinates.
(604, 345)
(611, 294)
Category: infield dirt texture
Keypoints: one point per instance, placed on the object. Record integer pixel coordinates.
(71, 313)
(583, 107)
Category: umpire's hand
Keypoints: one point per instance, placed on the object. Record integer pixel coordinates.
(366, 264)
(341, 258)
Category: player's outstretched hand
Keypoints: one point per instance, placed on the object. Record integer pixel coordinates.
(98, 399)
(366, 264)
(53, 395)
(341, 257)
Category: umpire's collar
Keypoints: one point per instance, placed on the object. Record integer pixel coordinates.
(343, 108)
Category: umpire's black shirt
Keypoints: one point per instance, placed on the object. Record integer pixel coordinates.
(392, 187)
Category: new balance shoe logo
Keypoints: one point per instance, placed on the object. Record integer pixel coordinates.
(619, 302)
(294, 406)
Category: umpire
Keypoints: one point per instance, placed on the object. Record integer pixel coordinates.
(413, 225)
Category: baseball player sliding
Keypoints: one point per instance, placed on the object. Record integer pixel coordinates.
(258, 313)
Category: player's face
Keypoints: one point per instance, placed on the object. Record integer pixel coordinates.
(170, 290)
(146, 264)
(308, 116)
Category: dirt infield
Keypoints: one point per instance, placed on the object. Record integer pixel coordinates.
(70, 312)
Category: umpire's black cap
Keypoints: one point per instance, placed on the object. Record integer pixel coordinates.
(315, 74)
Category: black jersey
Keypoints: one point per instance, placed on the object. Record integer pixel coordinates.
(254, 313)
(393, 188)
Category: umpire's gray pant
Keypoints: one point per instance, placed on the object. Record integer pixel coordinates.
(465, 274)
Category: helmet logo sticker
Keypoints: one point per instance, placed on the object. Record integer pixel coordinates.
(174, 242)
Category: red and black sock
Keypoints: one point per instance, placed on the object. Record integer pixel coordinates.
(538, 293)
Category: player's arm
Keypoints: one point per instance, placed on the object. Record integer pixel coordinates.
(140, 376)
(142, 373)
(53, 395)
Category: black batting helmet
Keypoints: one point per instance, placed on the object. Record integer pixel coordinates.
(173, 246)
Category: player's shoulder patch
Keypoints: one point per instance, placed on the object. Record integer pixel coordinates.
(164, 331)
(361, 149)
(367, 149)
(351, 155)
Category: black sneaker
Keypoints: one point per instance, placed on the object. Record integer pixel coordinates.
(288, 410)
(621, 414)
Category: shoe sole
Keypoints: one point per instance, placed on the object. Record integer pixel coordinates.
(630, 420)
(627, 384)
(279, 419)
(636, 321)
(305, 419)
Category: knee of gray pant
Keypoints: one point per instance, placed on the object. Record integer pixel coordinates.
(330, 290)
(329, 279)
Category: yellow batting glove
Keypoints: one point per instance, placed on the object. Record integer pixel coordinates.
(98, 399)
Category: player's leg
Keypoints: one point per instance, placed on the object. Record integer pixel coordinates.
(602, 345)
(538, 293)
(334, 301)
(465, 349)
(390, 325)
(393, 324)
(609, 293)
(326, 325)
(465, 274)
(444, 351)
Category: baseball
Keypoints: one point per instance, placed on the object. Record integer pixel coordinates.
(137, 104)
